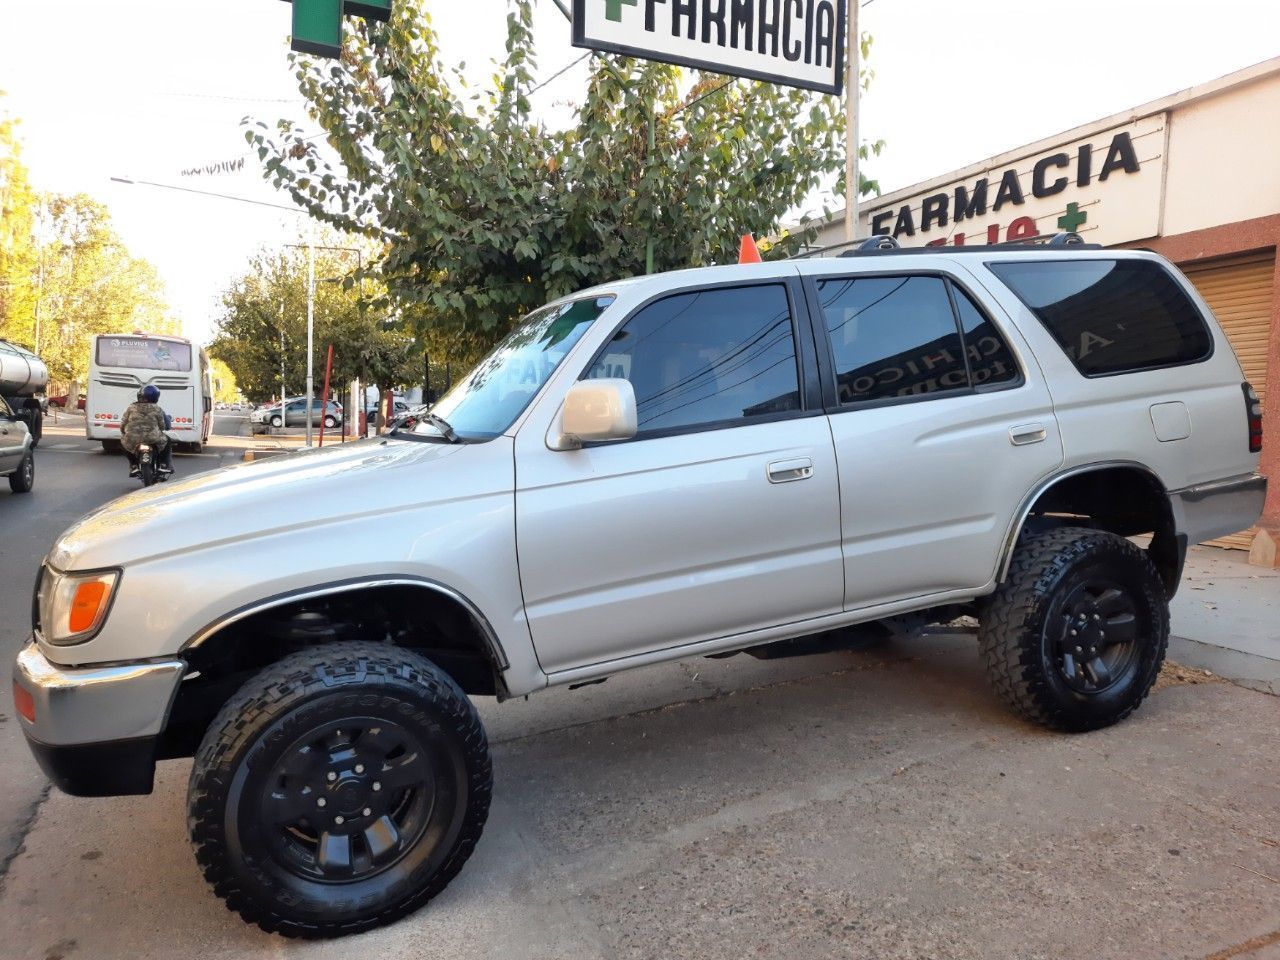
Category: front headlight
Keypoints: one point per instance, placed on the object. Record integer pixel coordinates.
(73, 605)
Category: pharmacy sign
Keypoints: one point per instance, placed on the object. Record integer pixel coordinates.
(798, 43)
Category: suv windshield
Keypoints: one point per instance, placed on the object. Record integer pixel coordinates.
(499, 387)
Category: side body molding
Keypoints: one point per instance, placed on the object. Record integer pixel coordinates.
(494, 647)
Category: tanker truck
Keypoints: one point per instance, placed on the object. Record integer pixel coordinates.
(22, 376)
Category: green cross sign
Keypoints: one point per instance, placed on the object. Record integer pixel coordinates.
(317, 24)
(1073, 218)
(613, 9)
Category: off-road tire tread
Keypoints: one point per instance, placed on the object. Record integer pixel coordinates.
(278, 689)
(1010, 615)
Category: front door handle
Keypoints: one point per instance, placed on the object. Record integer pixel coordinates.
(785, 471)
(1026, 433)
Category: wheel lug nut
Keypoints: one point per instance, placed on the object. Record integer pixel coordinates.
(332, 776)
(321, 802)
(1074, 633)
(359, 768)
(1078, 650)
(377, 785)
(367, 812)
(339, 820)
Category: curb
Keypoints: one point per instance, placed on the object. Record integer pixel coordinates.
(1235, 666)
(251, 455)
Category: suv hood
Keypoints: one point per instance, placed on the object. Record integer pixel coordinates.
(250, 500)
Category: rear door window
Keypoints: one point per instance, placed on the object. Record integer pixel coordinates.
(895, 338)
(1111, 316)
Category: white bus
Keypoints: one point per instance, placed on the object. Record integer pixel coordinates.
(121, 364)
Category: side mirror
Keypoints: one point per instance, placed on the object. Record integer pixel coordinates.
(596, 410)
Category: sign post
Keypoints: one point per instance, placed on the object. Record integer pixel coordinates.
(852, 90)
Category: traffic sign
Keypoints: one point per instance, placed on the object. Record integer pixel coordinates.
(317, 24)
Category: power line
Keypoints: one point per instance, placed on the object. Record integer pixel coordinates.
(559, 73)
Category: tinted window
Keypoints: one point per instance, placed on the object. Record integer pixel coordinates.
(892, 337)
(990, 359)
(707, 356)
(1111, 316)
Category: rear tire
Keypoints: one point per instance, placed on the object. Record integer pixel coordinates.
(24, 478)
(339, 790)
(1075, 636)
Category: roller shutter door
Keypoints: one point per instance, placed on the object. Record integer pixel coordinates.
(1239, 292)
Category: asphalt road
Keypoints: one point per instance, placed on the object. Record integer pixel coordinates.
(878, 804)
(73, 476)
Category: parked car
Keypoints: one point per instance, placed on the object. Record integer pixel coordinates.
(61, 402)
(17, 450)
(671, 466)
(295, 414)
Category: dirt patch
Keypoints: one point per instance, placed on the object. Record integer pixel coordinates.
(1176, 675)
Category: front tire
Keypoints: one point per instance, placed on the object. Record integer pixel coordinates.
(1075, 636)
(277, 422)
(24, 478)
(339, 790)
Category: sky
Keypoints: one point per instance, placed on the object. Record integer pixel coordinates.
(146, 89)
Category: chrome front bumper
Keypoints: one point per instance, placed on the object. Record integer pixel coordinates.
(1207, 511)
(94, 730)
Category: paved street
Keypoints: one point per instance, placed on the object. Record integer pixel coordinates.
(73, 476)
(878, 804)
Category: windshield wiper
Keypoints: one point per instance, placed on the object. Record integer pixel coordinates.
(441, 424)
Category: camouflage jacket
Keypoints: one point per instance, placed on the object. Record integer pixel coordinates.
(142, 423)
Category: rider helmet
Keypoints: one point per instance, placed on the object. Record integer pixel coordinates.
(149, 394)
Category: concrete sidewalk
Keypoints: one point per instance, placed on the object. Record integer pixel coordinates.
(1226, 618)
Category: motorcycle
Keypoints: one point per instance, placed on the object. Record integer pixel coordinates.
(149, 465)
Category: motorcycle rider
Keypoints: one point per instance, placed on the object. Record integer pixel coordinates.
(145, 422)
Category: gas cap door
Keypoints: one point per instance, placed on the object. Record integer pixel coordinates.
(1171, 421)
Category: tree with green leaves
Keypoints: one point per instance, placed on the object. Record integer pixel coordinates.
(486, 213)
(65, 270)
(18, 256)
(264, 322)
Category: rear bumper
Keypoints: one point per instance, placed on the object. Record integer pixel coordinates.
(93, 730)
(1210, 510)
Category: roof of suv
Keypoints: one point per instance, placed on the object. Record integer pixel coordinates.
(918, 258)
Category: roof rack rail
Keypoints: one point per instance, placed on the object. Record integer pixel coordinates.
(884, 244)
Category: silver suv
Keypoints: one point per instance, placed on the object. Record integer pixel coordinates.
(671, 466)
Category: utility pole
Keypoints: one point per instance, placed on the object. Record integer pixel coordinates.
(282, 394)
(311, 324)
(852, 90)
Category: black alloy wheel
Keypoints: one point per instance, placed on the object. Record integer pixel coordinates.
(349, 799)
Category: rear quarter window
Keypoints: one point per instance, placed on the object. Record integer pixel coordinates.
(1111, 316)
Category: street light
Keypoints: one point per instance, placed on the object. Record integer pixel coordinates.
(311, 249)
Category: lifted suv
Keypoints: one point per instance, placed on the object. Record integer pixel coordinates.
(670, 466)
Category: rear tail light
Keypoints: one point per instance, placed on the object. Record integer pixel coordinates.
(1253, 410)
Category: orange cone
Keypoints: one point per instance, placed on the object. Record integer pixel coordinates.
(748, 252)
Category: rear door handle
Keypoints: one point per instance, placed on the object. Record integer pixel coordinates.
(1025, 433)
(785, 471)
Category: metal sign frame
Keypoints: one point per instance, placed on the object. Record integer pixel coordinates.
(580, 39)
